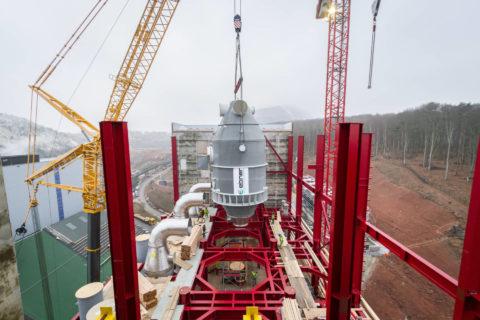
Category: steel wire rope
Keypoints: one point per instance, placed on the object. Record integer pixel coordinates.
(89, 66)
(68, 46)
(42, 78)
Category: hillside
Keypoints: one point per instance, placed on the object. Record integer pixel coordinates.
(278, 114)
(50, 143)
(14, 138)
(433, 132)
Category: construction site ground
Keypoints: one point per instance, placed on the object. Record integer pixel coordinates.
(426, 213)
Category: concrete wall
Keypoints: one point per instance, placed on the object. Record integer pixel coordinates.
(192, 144)
(10, 299)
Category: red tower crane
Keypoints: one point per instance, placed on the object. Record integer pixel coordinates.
(337, 12)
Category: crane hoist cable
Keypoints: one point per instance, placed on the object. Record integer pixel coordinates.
(375, 8)
(238, 84)
(46, 73)
(65, 49)
(237, 23)
(51, 67)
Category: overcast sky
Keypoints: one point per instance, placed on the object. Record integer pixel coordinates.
(426, 51)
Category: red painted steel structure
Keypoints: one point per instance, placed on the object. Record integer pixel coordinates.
(204, 301)
(317, 204)
(176, 190)
(361, 217)
(344, 210)
(336, 81)
(118, 188)
(289, 169)
(299, 191)
(467, 300)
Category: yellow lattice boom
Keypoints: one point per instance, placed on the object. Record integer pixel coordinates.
(136, 64)
(143, 48)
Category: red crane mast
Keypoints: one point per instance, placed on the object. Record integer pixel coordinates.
(338, 14)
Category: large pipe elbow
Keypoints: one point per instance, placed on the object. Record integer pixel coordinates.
(201, 187)
(167, 228)
(158, 261)
(186, 202)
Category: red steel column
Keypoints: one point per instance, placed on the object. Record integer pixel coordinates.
(176, 191)
(360, 222)
(118, 189)
(467, 303)
(289, 173)
(298, 199)
(317, 205)
(344, 209)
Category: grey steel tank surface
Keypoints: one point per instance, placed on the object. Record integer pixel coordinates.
(239, 165)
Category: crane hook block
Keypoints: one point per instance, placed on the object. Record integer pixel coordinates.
(237, 23)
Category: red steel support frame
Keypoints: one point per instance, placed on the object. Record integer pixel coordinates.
(118, 188)
(289, 173)
(467, 302)
(176, 191)
(299, 197)
(422, 266)
(344, 211)
(317, 205)
(361, 217)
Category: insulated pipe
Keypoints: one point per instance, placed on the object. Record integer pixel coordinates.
(187, 201)
(88, 296)
(201, 187)
(159, 262)
(193, 212)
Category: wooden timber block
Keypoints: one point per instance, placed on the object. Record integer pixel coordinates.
(146, 289)
(181, 263)
(290, 310)
(150, 303)
(172, 304)
(144, 314)
(315, 313)
(190, 243)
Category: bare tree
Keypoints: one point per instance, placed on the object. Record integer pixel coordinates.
(449, 127)
(432, 147)
(425, 150)
(405, 144)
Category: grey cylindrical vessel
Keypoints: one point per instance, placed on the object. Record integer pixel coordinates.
(141, 242)
(88, 296)
(239, 165)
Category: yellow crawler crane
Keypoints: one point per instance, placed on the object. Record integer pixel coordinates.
(143, 48)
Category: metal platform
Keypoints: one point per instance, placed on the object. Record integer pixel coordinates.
(72, 232)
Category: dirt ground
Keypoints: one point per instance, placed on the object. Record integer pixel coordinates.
(427, 214)
(160, 196)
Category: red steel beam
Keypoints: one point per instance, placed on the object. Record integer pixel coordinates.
(118, 189)
(317, 205)
(467, 304)
(344, 209)
(299, 197)
(362, 199)
(441, 279)
(176, 191)
(289, 169)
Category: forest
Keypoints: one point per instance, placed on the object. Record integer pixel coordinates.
(432, 133)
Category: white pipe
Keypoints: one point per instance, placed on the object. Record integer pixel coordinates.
(201, 187)
(159, 261)
(187, 201)
(193, 212)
